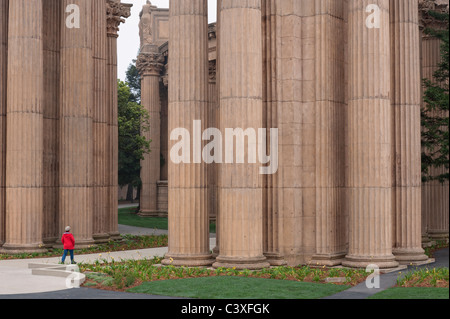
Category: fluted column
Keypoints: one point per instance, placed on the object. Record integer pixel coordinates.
(150, 66)
(76, 127)
(116, 11)
(271, 223)
(24, 130)
(100, 123)
(52, 41)
(368, 146)
(188, 102)
(405, 96)
(4, 8)
(240, 98)
(330, 114)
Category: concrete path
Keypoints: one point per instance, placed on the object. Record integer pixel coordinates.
(390, 279)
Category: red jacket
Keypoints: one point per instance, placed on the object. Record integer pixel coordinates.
(68, 241)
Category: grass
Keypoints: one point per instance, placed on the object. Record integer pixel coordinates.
(138, 274)
(128, 216)
(226, 287)
(413, 293)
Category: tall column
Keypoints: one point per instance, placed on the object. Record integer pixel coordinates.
(405, 96)
(368, 146)
(116, 11)
(188, 103)
(150, 66)
(330, 114)
(100, 123)
(270, 40)
(76, 127)
(52, 41)
(4, 8)
(241, 107)
(24, 130)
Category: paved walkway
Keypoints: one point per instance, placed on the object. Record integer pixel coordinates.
(17, 282)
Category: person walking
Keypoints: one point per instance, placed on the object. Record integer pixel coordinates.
(68, 242)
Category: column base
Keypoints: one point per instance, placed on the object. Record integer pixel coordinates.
(152, 213)
(79, 244)
(50, 242)
(10, 249)
(407, 256)
(382, 262)
(115, 236)
(188, 260)
(438, 235)
(101, 238)
(328, 260)
(241, 263)
(275, 259)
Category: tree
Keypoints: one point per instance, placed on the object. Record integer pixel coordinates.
(133, 120)
(435, 113)
(133, 78)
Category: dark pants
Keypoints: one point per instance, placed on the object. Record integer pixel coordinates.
(65, 255)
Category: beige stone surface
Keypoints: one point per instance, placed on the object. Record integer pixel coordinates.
(406, 98)
(76, 201)
(188, 102)
(4, 10)
(24, 128)
(368, 140)
(240, 98)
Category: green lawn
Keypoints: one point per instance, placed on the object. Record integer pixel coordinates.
(413, 293)
(129, 218)
(229, 287)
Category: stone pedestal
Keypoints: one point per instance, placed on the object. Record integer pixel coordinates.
(405, 97)
(240, 98)
(188, 102)
(368, 140)
(150, 65)
(24, 127)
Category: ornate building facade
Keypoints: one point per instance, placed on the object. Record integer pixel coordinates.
(341, 83)
(58, 121)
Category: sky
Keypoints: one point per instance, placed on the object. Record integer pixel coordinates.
(128, 42)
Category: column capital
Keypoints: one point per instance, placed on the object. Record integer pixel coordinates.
(115, 12)
(150, 63)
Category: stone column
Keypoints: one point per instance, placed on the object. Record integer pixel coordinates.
(270, 40)
(241, 107)
(76, 127)
(368, 145)
(52, 42)
(100, 123)
(330, 115)
(116, 11)
(405, 97)
(24, 128)
(4, 8)
(188, 102)
(150, 66)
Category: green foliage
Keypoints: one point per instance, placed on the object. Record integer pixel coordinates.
(435, 120)
(133, 121)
